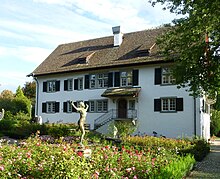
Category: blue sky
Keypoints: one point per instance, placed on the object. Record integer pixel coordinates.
(31, 29)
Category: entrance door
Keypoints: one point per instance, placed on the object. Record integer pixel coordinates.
(122, 108)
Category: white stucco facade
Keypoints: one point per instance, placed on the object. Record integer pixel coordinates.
(186, 123)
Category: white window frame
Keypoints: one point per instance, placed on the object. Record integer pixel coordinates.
(80, 83)
(102, 80)
(167, 77)
(131, 104)
(69, 84)
(51, 86)
(98, 106)
(126, 78)
(168, 104)
(50, 107)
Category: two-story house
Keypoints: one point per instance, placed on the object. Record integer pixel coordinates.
(121, 77)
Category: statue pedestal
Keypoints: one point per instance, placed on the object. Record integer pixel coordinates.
(85, 152)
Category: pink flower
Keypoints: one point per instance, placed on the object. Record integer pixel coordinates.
(135, 177)
(128, 170)
(79, 153)
(2, 168)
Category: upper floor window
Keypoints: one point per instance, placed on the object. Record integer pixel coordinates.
(51, 86)
(167, 77)
(112, 79)
(50, 107)
(68, 85)
(126, 78)
(102, 80)
(163, 76)
(78, 84)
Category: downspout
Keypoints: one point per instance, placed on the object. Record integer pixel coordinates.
(194, 99)
(37, 93)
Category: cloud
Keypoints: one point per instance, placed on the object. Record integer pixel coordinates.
(29, 54)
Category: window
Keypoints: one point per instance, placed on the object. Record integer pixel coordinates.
(92, 81)
(102, 80)
(126, 78)
(68, 85)
(51, 86)
(167, 77)
(163, 76)
(168, 104)
(50, 107)
(78, 84)
(171, 104)
(131, 105)
(98, 106)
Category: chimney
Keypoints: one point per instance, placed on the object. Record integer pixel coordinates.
(117, 36)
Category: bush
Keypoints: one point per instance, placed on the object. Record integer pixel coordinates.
(36, 159)
(215, 123)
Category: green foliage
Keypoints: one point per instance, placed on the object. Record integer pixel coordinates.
(215, 123)
(125, 128)
(193, 44)
(198, 148)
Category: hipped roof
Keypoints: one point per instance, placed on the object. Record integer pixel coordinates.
(100, 53)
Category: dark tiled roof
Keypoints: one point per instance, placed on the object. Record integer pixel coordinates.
(101, 53)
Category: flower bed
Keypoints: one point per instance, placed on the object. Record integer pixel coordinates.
(37, 159)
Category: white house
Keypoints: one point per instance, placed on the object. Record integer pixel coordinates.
(121, 77)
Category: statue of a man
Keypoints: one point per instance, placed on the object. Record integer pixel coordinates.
(82, 109)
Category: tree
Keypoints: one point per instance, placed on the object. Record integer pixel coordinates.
(193, 43)
(29, 90)
(7, 94)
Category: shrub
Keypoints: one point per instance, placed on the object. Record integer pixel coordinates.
(215, 123)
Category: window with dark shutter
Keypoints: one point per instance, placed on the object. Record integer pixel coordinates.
(157, 104)
(57, 107)
(76, 84)
(64, 106)
(44, 107)
(86, 103)
(179, 104)
(45, 86)
(57, 85)
(135, 77)
(65, 85)
(73, 109)
(157, 78)
(86, 82)
(110, 79)
(117, 79)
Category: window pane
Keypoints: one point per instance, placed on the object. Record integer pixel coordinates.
(165, 105)
(80, 83)
(70, 84)
(173, 104)
(105, 106)
(92, 106)
(132, 104)
(99, 106)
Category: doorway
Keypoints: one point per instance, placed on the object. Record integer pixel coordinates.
(122, 108)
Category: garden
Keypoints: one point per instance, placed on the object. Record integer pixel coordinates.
(53, 151)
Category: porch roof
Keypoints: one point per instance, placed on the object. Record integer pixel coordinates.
(126, 91)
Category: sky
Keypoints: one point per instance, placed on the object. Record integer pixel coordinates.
(31, 29)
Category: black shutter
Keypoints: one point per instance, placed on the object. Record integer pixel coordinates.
(45, 86)
(86, 103)
(179, 104)
(110, 79)
(64, 106)
(157, 104)
(117, 79)
(44, 107)
(135, 77)
(57, 106)
(76, 84)
(73, 109)
(57, 85)
(157, 79)
(86, 82)
(65, 85)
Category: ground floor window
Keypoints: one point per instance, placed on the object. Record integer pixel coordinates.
(98, 106)
(50, 107)
(168, 104)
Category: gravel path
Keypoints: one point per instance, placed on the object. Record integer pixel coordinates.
(210, 166)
